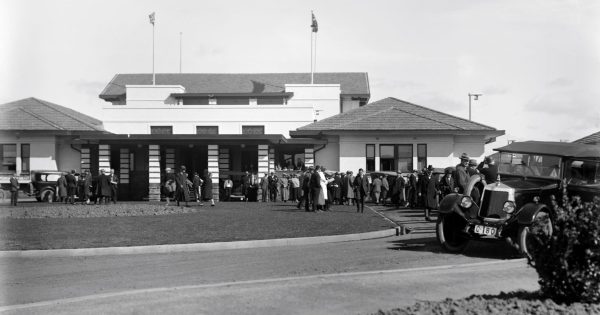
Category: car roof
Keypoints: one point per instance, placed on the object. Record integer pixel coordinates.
(553, 148)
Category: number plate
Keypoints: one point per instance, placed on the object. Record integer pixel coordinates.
(485, 230)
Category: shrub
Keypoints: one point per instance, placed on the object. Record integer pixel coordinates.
(568, 261)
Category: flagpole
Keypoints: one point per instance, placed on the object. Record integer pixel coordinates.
(315, 66)
(180, 40)
(311, 58)
(153, 74)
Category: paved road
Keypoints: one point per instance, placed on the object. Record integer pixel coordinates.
(28, 280)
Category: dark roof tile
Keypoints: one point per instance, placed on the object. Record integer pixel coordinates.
(594, 138)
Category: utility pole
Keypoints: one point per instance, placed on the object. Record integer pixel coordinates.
(475, 97)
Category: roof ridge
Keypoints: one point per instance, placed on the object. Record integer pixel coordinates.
(109, 83)
(439, 112)
(52, 106)
(41, 118)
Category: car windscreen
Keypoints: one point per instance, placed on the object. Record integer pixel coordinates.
(529, 165)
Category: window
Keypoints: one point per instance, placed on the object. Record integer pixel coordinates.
(421, 156)
(132, 161)
(370, 158)
(583, 173)
(253, 130)
(405, 157)
(386, 157)
(212, 100)
(8, 154)
(161, 130)
(25, 154)
(253, 101)
(207, 130)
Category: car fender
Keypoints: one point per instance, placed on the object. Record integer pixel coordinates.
(529, 211)
(450, 203)
(473, 181)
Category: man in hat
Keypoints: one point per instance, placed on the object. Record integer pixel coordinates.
(472, 169)
(430, 190)
(491, 171)
(71, 187)
(461, 174)
(182, 192)
(14, 189)
(103, 189)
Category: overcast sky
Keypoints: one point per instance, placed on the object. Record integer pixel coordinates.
(537, 63)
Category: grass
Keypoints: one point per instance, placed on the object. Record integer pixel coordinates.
(233, 221)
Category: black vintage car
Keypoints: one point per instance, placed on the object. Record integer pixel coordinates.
(530, 173)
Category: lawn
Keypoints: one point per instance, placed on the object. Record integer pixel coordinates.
(133, 224)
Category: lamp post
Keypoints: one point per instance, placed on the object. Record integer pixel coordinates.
(475, 96)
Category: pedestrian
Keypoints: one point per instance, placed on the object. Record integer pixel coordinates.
(207, 187)
(399, 190)
(81, 187)
(315, 188)
(182, 192)
(429, 192)
(14, 189)
(114, 186)
(71, 187)
(169, 186)
(461, 175)
(385, 187)
(491, 171)
(472, 169)
(324, 196)
(336, 190)
(361, 190)
(377, 183)
(264, 186)
(413, 189)
(306, 190)
(295, 188)
(227, 186)
(103, 188)
(348, 185)
(273, 180)
(87, 187)
(284, 187)
(447, 183)
(246, 183)
(61, 187)
(197, 187)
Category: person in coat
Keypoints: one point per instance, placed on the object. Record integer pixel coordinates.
(305, 184)
(14, 189)
(399, 190)
(385, 187)
(284, 186)
(71, 187)
(87, 187)
(182, 192)
(361, 190)
(336, 189)
(430, 191)
(315, 188)
(207, 189)
(114, 186)
(413, 190)
(461, 176)
(489, 170)
(348, 185)
(103, 189)
(61, 187)
(295, 188)
(447, 183)
(227, 187)
(197, 187)
(273, 189)
(264, 186)
(169, 185)
(377, 183)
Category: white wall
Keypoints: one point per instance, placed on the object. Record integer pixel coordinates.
(42, 150)
(328, 156)
(472, 145)
(67, 157)
(151, 94)
(348, 104)
(324, 98)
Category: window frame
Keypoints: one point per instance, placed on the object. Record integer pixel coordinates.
(370, 160)
(256, 126)
(161, 126)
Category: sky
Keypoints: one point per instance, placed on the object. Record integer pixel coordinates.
(537, 63)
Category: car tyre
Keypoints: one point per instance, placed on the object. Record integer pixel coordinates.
(527, 239)
(448, 230)
(47, 195)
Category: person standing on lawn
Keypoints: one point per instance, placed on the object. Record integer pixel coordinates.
(71, 187)
(305, 190)
(430, 191)
(246, 184)
(14, 189)
(114, 186)
(169, 185)
(336, 187)
(197, 186)
(103, 189)
(361, 190)
(385, 187)
(61, 187)
(295, 188)
(273, 187)
(81, 187)
(284, 185)
(315, 188)
(87, 187)
(377, 183)
(228, 186)
(264, 186)
(348, 184)
(182, 192)
(207, 188)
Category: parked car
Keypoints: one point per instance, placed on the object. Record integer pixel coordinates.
(530, 175)
(43, 185)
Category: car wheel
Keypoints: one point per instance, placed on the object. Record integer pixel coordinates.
(449, 234)
(47, 195)
(527, 236)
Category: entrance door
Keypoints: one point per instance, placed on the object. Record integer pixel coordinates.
(138, 174)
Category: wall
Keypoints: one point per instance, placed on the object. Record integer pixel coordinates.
(324, 98)
(329, 155)
(152, 94)
(348, 104)
(42, 150)
(67, 158)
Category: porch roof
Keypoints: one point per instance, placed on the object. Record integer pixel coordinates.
(194, 138)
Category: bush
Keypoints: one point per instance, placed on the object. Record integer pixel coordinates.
(568, 261)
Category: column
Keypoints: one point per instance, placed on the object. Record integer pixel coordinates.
(213, 167)
(309, 157)
(104, 157)
(271, 159)
(223, 159)
(263, 166)
(170, 158)
(85, 163)
(124, 166)
(154, 172)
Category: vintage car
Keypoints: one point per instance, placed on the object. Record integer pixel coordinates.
(530, 176)
(43, 185)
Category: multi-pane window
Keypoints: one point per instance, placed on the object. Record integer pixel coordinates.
(404, 157)
(8, 153)
(161, 130)
(421, 156)
(25, 155)
(253, 130)
(207, 130)
(370, 157)
(387, 157)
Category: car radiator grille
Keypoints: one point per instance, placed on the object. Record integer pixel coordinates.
(492, 203)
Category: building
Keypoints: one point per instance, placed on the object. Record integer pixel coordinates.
(591, 139)
(226, 124)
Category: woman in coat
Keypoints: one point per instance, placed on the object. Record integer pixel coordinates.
(430, 190)
(284, 188)
(182, 192)
(61, 187)
(207, 187)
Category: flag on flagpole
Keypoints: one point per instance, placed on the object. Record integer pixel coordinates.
(314, 25)
(151, 16)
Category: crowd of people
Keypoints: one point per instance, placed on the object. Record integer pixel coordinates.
(81, 186)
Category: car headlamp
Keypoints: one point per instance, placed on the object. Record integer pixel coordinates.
(536, 199)
(466, 202)
(508, 207)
